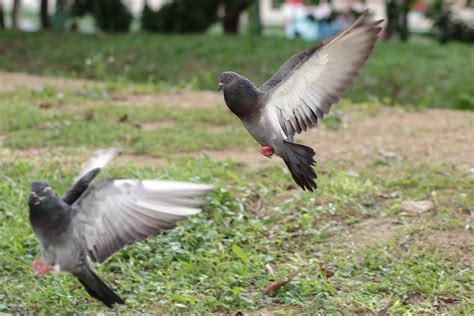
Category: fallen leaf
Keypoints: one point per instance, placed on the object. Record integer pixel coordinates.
(35, 307)
(327, 272)
(416, 207)
(46, 105)
(275, 286)
(292, 229)
(88, 116)
(123, 118)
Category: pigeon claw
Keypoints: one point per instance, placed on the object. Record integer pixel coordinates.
(41, 268)
(267, 151)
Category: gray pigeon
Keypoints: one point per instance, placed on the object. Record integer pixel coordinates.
(96, 220)
(299, 94)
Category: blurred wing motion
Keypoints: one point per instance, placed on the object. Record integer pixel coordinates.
(304, 88)
(101, 158)
(114, 213)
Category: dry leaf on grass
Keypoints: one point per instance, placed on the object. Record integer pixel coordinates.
(327, 272)
(88, 116)
(123, 118)
(275, 286)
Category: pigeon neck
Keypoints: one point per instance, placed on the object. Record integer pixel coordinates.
(53, 217)
(243, 99)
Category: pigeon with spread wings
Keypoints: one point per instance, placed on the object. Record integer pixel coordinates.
(97, 219)
(299, 94)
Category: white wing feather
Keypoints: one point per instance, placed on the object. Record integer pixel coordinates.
(303, 98)
(101, 158)
(115, 213)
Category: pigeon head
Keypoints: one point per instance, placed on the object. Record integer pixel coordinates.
(41, 195)
(228, 79)
(240, 94)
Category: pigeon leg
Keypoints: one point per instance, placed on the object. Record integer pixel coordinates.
(41, 268)
(267, 151)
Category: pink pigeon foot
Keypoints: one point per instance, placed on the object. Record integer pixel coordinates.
(267, 151)
(40, 268)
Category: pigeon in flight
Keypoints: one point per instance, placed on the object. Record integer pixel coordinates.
(299, 94)
(97, 219)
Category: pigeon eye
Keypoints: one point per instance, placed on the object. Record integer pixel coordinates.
(228, 79)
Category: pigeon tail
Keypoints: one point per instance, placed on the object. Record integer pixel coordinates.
(299, 160)
(97, 288)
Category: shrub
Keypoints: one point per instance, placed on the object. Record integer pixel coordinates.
(109, 15)
(181, 16)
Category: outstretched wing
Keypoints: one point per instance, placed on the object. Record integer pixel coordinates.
(114, 213)
(305, 94)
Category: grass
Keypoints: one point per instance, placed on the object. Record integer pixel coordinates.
(415, 74)
(216, 261)
(257, 229)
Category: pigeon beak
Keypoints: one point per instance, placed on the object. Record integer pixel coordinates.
(220, 86)
(34, 198)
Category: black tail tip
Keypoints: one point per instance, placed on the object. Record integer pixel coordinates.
(300, 161)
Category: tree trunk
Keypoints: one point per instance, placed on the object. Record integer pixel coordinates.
(45, 22)
(2, 20)
(392, 19)
(233, 9)
(16, 14)
(59, 17)
(255, 23)
(404, 10)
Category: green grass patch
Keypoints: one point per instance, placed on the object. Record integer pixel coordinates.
(216, 262)
(416, 74)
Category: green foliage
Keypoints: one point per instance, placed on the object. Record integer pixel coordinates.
(411, 74)
(181, 16)
(109, 15)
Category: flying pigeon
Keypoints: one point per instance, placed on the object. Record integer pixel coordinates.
(299, 94)
(94, 220)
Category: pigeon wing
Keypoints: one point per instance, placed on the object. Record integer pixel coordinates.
(305, 94)
(114, 213)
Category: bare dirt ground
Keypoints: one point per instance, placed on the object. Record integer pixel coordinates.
(433, 136)
(10, 81)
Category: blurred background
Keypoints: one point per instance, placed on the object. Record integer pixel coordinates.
(85, 45)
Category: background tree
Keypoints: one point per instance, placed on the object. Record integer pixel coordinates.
(59, 17)
(397, 18)
(232, 11)
(181, 16)
(2, 20)
(109, 15)
(403, 19)
(446, 26)
(255, 23)
(44, 15)
(16, 14)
